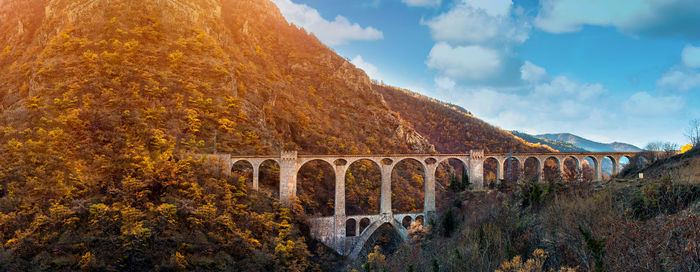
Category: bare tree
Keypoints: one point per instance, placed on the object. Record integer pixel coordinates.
(693, 132)
(654, 146)
(670, 149)
(654, 150)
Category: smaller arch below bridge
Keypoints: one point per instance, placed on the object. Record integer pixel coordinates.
(364, 223)
(406, 221)
(351, 227)
(371, 229)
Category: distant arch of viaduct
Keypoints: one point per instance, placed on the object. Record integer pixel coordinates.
(331, 230)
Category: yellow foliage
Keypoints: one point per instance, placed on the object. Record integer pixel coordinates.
(686, 148)
(535, 264)
(180, 260)
(86, 260)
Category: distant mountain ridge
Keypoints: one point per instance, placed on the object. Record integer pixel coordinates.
(561, 146)
(589, 145)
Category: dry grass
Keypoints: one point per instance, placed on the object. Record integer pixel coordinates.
(641, 225)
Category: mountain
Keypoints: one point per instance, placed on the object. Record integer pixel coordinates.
(558, 145)
(450, 128)
(588, 144)
(230, 76)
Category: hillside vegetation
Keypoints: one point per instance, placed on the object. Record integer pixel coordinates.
(231, 76)
(635, 225)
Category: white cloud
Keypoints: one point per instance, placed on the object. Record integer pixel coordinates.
(679, 79)
(492, 7)
(470, 63)
(479, 21)
(561, 104)
(369, 68)
(691, 56)
(422, 3)
(637, 17)
(644, 104)
(532, 73)
(445, 83)
(332, 33)
(562, 86)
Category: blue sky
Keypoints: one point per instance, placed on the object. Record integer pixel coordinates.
(624, 70)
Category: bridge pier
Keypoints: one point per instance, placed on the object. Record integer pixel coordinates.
(340, 189)
(256, 176)
(500, 169)
(385, 203)
(288, 176)
(476, 168)
(598, 169)
(429, 203)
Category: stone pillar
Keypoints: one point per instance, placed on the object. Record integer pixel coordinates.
(540, 169)
(228, 164)
(340, 189)
(288, 176)
(476, 168)
(499, 170)
(616, 166)
(429, 203)
(579, 170)
(256, 175)
(385, 204)
(598, 170)
(521, 168)
(560, 164)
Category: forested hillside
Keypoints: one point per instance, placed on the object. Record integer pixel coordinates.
(227, 74)
(450, 128)
(100, 99)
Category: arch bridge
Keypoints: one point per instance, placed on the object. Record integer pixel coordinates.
(348, 234)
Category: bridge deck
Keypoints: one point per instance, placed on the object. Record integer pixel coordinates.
(437, 155)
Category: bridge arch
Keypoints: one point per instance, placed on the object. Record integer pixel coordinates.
(406, 221)
(449, 170)
(608, 166)
(552, 168)
(364, 223)
(493, 171)
(363, 186)
(269, 177)
(511, 169)
(624, 162)
(316, 187)
(351, 228)
(570, 168)
(406, 174)
(594, 164)
(367, 235)
(531, 168)
(245, 169)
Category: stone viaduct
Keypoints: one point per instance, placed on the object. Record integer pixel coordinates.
(348, 234)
